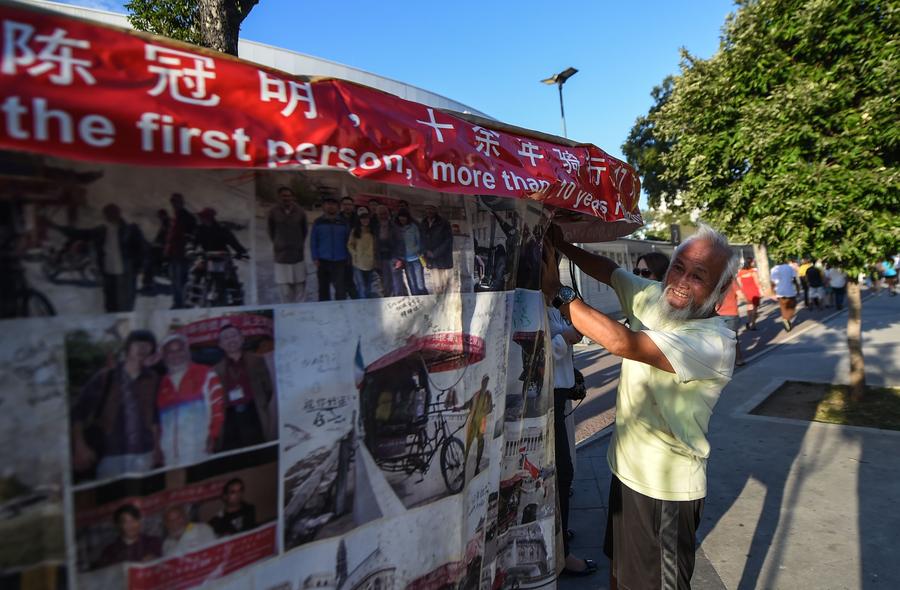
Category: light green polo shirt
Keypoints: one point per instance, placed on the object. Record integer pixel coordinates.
(659, 446)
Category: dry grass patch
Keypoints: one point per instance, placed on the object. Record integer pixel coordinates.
(830, 403)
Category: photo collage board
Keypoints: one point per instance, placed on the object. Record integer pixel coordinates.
(275, 380)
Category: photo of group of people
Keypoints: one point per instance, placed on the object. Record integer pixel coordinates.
(146, 528)
(325, 239)
(75, 242)
(141, 401)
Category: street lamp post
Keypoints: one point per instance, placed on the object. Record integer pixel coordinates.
(560, 79)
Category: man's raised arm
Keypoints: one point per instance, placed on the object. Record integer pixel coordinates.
(599, 267)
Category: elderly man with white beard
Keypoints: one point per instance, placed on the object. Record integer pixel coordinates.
(677, 356)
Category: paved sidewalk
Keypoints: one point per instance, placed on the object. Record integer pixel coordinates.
(792, 504)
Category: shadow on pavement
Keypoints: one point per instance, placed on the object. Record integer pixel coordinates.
(782, 461)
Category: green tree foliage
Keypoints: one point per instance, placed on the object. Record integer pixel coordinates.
(210, 23)
(176, 19)
(644, 149)
(788, 135)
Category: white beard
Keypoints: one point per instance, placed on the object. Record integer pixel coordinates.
(689, 312)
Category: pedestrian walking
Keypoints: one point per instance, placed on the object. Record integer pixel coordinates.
(728, 310)
(784, 285)
(748, 284)
(837, 280)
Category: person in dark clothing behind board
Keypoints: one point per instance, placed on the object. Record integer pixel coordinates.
(328, 244)
(437, 242)
(236, 516)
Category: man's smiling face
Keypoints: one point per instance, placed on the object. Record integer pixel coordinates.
(691, 281)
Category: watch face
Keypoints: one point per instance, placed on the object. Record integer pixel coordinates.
(567, 294)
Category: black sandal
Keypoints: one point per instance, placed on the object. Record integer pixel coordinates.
(590, 567)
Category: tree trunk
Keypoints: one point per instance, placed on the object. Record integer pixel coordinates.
(761, 255)
(854, 341)
(220, 23)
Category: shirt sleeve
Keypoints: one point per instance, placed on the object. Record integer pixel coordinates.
(627, 285)
(696, 353)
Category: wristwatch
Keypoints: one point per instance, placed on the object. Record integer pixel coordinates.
(563, 296)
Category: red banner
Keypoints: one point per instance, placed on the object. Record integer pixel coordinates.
(204, 565)
(207, 331)
(85, 91)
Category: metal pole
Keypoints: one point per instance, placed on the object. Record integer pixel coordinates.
(562, 111)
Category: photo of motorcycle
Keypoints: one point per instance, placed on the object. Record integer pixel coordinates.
(213, 280)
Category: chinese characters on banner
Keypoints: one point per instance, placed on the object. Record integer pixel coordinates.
(136, 83)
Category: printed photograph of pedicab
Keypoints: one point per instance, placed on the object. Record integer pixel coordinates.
(414, 427)
(525, 375)
(41, 267)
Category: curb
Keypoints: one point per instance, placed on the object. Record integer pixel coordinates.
(794, 334)
(599, 435)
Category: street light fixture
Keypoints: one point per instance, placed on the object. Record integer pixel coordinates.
(560, 79)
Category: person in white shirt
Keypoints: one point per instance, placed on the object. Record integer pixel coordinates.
(677, 356)
(563, 336)
(182, 535)
(784, 283)
(837, 281)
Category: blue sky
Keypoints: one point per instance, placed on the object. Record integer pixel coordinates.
(492, 55)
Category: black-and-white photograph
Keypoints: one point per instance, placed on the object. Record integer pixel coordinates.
(91, 238)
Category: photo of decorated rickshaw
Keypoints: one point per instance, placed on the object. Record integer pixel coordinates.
(408, 420)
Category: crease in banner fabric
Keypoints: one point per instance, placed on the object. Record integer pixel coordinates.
(269, 332)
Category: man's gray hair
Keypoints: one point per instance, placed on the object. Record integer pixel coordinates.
(706, 233)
